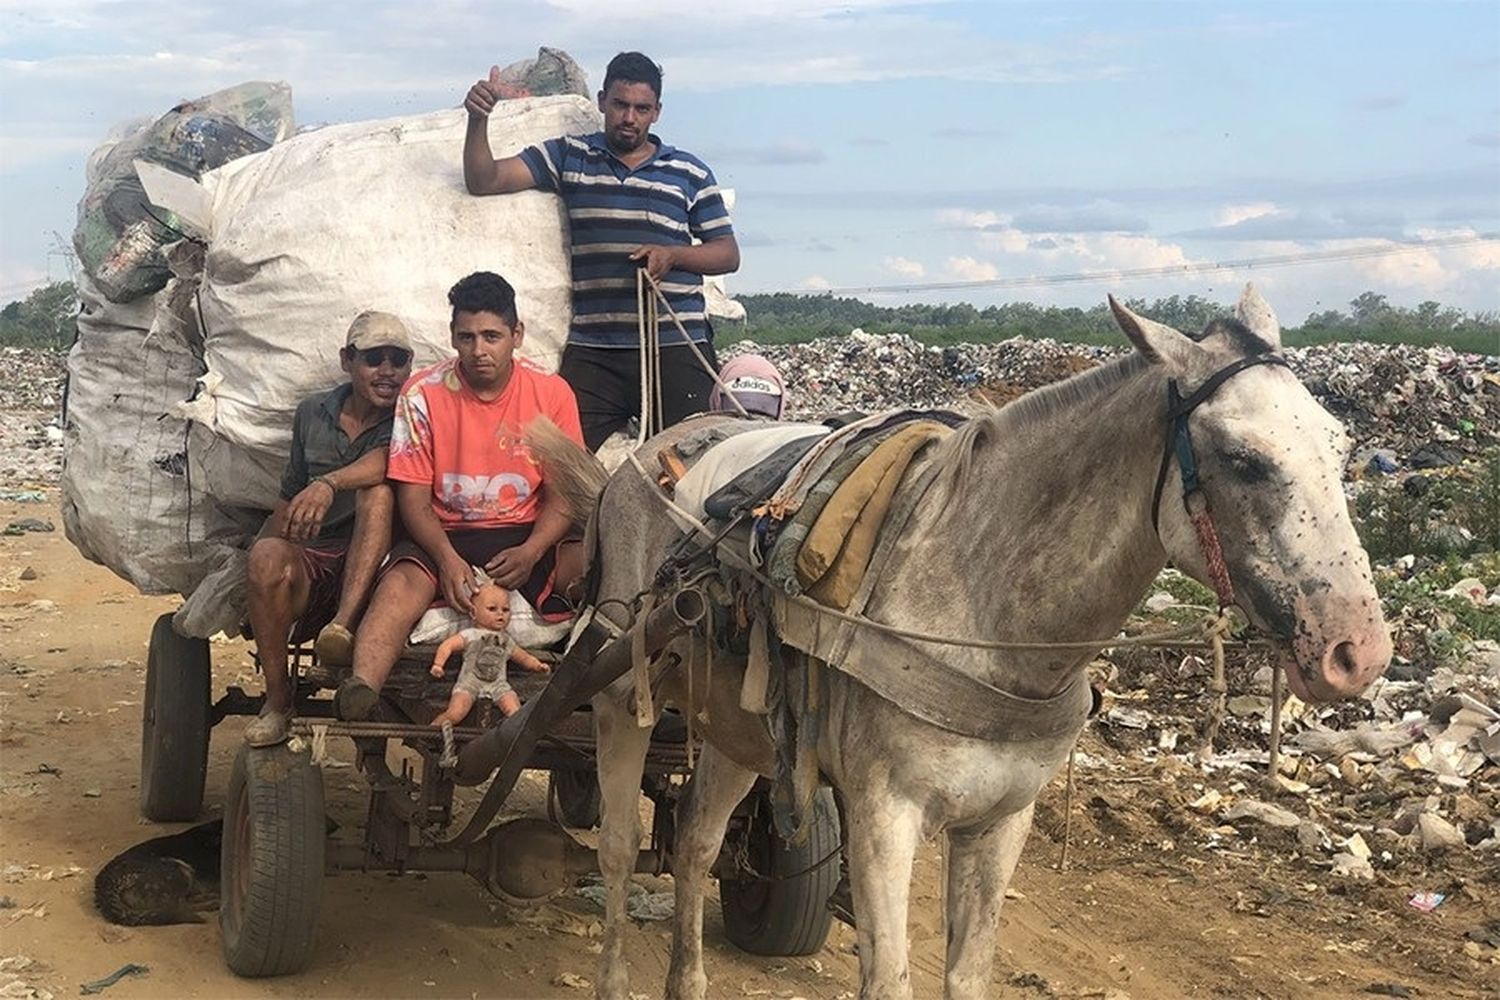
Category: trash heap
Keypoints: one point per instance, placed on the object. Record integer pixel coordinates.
(1421, 406)
(30, 432)
(1397, 792)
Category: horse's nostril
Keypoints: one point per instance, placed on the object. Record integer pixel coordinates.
(1343, 659)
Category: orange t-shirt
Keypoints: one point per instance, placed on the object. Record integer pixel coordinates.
(470, 450)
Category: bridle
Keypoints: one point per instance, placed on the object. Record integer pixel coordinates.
(1180, 441)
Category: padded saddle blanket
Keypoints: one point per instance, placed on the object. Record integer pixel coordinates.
(824, 493)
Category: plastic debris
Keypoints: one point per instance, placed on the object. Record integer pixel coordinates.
(1262, 812)
(100, 985)
(1426, 902)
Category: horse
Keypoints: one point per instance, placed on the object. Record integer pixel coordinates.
(1042, 523)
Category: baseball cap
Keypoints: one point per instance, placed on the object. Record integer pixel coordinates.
(755, 382)
(377, 329)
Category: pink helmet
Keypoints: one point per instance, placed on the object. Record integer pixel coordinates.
(755, 382)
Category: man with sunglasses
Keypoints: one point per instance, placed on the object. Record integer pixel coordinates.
(313, 567)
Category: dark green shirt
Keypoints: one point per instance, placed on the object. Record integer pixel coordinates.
(319, 446)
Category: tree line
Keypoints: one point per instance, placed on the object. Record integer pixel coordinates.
(48, 317)
(789, 318)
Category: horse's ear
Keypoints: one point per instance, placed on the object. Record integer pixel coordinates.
(1255, 313)
(1157, 341)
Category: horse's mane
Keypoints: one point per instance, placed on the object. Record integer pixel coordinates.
(956, 454)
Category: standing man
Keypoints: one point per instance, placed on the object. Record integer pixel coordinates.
(311, 570)
(632, 201)
(467, 488)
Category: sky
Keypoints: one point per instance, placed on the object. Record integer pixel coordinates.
(883, 145)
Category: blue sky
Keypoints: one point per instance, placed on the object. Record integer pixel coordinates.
(876, 143)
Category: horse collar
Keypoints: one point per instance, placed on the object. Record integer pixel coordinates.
(1180, 441)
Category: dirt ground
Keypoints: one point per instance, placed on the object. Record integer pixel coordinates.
(1143, 912)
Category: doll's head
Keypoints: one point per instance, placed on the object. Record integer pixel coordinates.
(491, 607)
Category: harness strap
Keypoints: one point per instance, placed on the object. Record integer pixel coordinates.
(1180, 440)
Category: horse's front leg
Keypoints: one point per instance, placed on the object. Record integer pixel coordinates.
(883, 835)
(621, 751)
(717, 786)
(980, 864)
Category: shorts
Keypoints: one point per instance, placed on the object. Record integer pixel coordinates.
(468, 680)
(324, 565)
(477, 546)
(607, 382)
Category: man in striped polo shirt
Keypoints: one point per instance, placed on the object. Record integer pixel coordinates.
(632, 201)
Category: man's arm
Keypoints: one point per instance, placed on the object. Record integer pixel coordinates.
(306, 510)
(483, 174)
(716, 256)
(455, 581)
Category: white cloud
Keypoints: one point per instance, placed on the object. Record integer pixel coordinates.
(972, 269)
(905, 267)
(1229, 215)
(815, 283)
(966, 218)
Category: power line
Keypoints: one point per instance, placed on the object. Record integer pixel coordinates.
(1165, 271)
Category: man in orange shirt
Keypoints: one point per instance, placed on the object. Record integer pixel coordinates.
(468, 490)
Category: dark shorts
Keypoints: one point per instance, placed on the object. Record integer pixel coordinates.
(607, 382)
(478, 546)
(324, 565)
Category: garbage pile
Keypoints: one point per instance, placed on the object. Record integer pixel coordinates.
(1420, 406)
(33, 379)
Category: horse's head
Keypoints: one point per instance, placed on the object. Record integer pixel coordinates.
(1270, 462)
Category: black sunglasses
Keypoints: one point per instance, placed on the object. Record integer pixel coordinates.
(373, 356)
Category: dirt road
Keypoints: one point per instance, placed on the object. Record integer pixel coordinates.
(1146, 910)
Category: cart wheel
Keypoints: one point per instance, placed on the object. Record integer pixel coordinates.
(175, 724)
(271, 867)
(576, 793)
(786, 913)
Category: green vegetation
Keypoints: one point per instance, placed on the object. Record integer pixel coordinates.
(48, 317)
(785, 318)
(1439, 516)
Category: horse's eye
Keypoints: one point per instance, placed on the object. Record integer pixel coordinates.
(1248, 466)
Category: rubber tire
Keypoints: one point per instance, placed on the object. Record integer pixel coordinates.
(577, 795)
(790, 917)
(271, 865)
(175, 724)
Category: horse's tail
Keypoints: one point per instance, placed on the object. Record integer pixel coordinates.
(567, 467)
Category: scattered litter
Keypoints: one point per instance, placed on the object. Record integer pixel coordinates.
(100, 985)
(640, 904)
(1426, 902)
(1262, 812)
(22, 525)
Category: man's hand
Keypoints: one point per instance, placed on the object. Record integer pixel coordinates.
(512, 567)
(456, 581)
(481, 98)
(306, 510)
(659, 259)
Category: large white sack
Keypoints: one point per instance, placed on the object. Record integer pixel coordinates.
(371, 215)
(129, 501)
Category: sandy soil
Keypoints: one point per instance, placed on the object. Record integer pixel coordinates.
(1142, 912)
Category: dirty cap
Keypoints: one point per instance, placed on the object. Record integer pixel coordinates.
(377, 329)
(755, 382)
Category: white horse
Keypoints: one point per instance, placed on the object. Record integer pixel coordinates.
(1046, 522)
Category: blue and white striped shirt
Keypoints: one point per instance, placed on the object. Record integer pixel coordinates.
(669, 199)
